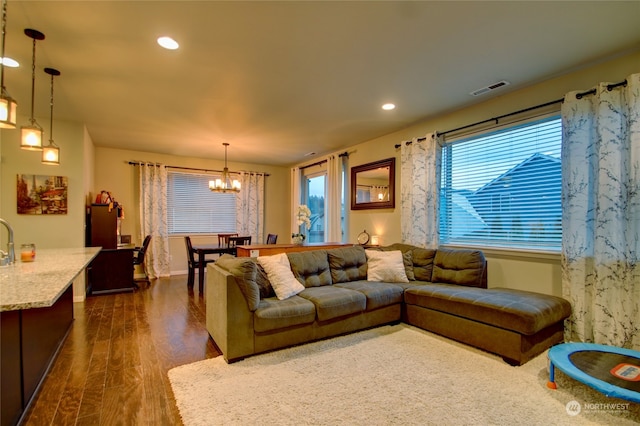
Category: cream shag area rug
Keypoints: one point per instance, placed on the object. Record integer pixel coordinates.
(388, 375)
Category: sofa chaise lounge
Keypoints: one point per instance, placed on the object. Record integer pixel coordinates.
(443, 291)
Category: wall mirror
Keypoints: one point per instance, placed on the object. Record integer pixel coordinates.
(373, 185)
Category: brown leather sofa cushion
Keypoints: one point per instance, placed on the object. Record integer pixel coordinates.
(378, 294)
(274, 314)
(311, 267)
(244, 269)
(347, 264)
(521, 311)
(459, 266)
(333, 302)
(421, 267)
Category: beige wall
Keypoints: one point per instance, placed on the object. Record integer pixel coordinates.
(507, 269)
(114, 174)
(46, 231)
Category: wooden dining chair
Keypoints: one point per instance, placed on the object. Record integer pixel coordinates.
(234, 242)
(192, 263)
(272, 238)
(223, 239)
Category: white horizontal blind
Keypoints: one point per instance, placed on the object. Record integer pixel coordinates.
(503, 189)
(194, 209)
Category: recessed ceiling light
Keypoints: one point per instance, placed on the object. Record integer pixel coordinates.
(168, 43)
(8, 62)
(388, 107)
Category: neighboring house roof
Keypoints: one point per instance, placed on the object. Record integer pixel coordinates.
(465, 216)
(537, 157)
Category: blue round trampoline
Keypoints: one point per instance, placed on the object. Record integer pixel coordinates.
(612, 371)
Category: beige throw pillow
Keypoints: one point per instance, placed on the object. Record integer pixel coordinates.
(386, 266)
(279, 273)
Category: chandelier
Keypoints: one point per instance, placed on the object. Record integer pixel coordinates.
(224, 182)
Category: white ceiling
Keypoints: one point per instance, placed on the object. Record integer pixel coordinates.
(277, 80)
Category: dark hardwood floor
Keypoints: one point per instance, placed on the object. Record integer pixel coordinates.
(112, 368)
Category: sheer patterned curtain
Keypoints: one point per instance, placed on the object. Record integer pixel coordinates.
(601, 214)
(419, 199)
(295, 198)
(153, 218)
(333, 206)
(250, 206)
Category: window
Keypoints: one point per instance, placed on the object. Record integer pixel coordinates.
(503, 189)
(194, 209)
(315, 200)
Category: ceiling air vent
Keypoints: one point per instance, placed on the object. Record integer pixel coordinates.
(489, 88)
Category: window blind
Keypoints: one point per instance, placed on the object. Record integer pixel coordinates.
(194, 209)
(503, 189)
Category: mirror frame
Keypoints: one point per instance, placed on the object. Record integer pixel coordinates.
(391, 203)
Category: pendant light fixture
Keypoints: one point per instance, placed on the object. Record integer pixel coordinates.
(224, 183)
(51, 152)
(8, 105)
(32, 134)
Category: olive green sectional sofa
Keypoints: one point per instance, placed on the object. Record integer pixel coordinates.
(348, 289)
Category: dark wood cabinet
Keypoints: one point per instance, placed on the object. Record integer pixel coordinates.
(103, 226)
(11, 368)
(43, 331)
(31, 339)
(112, 270)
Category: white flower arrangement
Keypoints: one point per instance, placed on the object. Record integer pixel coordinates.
(304, 216)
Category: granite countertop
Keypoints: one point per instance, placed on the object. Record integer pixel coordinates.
(39, 284)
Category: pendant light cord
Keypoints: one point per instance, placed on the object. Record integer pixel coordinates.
(51, 116)
(4, 25)
(33, 81)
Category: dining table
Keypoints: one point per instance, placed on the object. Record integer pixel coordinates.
(202, 250)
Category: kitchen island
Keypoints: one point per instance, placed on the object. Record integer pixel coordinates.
(36, 312)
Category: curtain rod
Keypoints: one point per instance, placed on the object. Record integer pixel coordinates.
(317, 163)
(610, 87)
(137, 163)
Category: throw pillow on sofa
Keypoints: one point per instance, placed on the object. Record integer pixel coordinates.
(387, 266)
(278, 271)
(407, 258)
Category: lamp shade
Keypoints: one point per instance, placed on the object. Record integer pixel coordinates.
(51, 154)
(31, 137)
(8, 108)
(8, 105)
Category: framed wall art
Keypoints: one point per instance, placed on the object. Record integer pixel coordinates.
(38, 194)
